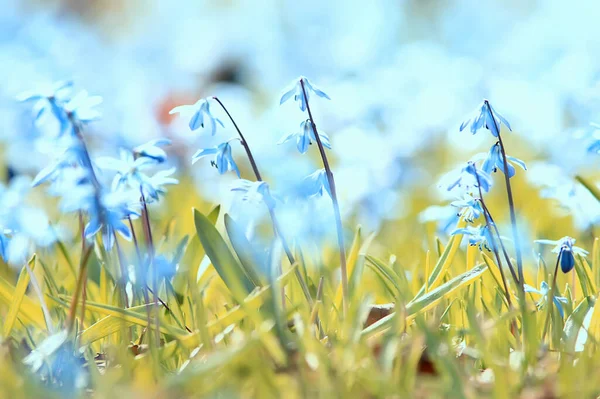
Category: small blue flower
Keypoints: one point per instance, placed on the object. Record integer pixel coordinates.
(153, 186)
(494, 161)
(480, 236)
(199, 111)
(81, 107)
(152, 150)
(470, 207)
(445, 216)
(296, 91)
(487, 118)
(128, 168)
(566, 249)
(470, 176)
(223, 159)
(305, 137)
(107, 215)
(315, 184)
(543, 291)
(50, 98)
(253, 191)
(59, 365)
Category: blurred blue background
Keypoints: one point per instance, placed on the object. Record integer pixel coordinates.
(402, 76)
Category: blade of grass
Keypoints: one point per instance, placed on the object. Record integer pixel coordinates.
(20, 290)
(224, 262)
(425, 302)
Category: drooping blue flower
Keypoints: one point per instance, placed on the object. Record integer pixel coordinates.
(315, 184)
(487, 118)
(494, 161)
(253, 191)
(470, 207)
(305, 137)
(128, 168)
(72, 154)
(154, 186)
(82, 107)
(543, 291)
(107, 214)
(566, 249)
(22, 227)
(57, 363)
(106, 210)
(470, 176)
(50, 98)
(131, 164)
(199, 111)
(445, 216)
(153, 150)
(296, 91)
(480, 236)
(223, 158)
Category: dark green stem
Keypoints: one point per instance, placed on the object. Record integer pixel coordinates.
(511, 204)
(334, 199)
(276, 228)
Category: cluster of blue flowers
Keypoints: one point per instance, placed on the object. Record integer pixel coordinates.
(76, 178)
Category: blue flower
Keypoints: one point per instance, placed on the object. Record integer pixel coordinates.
(315, 183)
(480, 236)
(22, 227)
(199, 111)
(223, 159)
(81, 107)
(50, 98)
(58, 365)
(566, 249)
(107, 214)
(470, 207)
(130, 166)
(152, 150)
(73, 154)
(494, 161)
(305, 137)
(445, 216)
(543, 291)
(296, 91)
(487, 118)
(153, 186)
(470, 176)
(253, 191)
(106, 210)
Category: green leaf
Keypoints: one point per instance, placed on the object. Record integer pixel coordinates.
(427, 301)
(386, 273)
(244, 250)
(222, 259)
(575, 332)
(20, 290)
(29, 310)
(131, 316)
(443, 262)
(109, 325)
(188, 267)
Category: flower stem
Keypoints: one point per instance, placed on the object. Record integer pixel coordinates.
(38, 291)
(334, 199)
(82, 275)
(509, 263)
(151, 264)
(276, 228)
(511, 204)
(550, 298)
(489, 222)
